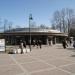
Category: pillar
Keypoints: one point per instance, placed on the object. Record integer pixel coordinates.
(47, 40)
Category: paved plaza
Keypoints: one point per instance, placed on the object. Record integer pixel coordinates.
(50, 60)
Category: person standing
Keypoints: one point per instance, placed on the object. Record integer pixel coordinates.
(70, 42)
(64, 44)
(37, 43)
(21, 46)
(33, 43)
(24, 44)
(74, 44)
(40, 43)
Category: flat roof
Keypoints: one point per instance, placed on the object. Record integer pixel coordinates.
(33, 30)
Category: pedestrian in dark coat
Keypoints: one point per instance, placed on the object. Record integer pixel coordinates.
(21, 46)
(33, 43)
(37, 43)
(74, 44)
(40, 43)
(24, 44)
(64, 44)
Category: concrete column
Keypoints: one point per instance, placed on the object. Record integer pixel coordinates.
(47, 40)
(55, 40)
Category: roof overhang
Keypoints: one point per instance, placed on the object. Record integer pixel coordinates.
(34, 33)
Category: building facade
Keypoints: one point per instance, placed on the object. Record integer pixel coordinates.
(14, 36)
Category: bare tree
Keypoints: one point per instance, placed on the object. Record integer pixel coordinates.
(5, 24)
(1, 27)
(73, 21)
(57, 20)
(63, 15)
(18, 26)
(53, 26)
(69, 16)
(10, 25)
(33, 25)
(62, 20)
(43, 26)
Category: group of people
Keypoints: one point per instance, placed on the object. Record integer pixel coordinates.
(38, 43)
(66, 42)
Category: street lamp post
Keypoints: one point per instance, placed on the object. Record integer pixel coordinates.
(68, 29)
(5, 36)
(30, 18)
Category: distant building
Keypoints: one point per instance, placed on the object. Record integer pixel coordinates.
(14, 36)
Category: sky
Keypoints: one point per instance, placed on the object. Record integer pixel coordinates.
(17, 11)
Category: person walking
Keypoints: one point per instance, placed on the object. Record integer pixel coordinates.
(40, 43)
(74, 44)
(64, 44)
(33, 43)
(37, 43)
(24, 44)
(21, 46)
(70, 42)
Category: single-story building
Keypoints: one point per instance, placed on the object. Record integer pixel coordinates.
(14, 36)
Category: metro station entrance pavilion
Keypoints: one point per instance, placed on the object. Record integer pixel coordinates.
(14, 36)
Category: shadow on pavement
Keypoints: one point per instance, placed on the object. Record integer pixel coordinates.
(72, 55)
(2, 52)
(71, 49)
